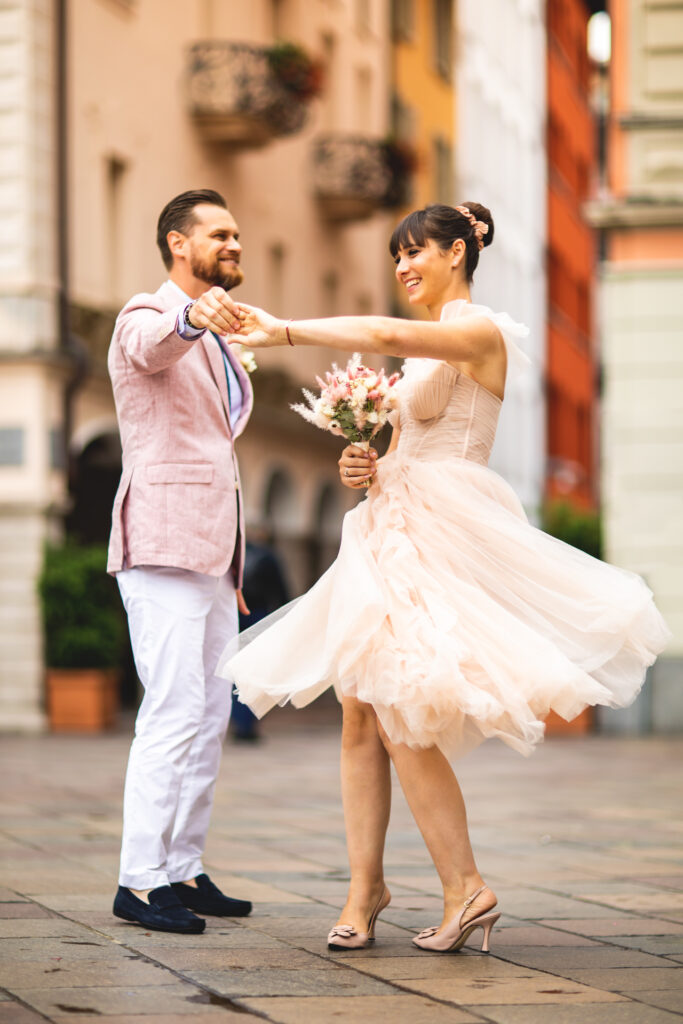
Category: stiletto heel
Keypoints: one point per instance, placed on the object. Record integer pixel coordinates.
(487, 928)
(454, 935)
(345, 936)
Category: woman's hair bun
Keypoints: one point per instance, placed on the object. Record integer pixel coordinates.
(483, 214)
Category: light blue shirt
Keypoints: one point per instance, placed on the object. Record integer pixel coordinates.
(235, 396)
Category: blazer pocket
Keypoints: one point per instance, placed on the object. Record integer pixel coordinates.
(180, 473)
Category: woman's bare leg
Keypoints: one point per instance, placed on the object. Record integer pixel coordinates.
(366, 795)
(435, 799)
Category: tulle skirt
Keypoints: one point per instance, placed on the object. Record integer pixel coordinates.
(454, 618)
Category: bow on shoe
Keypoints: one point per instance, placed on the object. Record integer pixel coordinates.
(427, 933)
(343, 931)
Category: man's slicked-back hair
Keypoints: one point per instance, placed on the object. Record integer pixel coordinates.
(179, 215)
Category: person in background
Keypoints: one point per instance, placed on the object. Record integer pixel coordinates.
(265, 590)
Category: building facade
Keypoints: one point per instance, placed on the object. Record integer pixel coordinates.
(500, 161)
(572, 356)
(641, 218)
(423, 101)
(107, 115)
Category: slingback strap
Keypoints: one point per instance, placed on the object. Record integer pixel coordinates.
(468, 902)
(472, 898)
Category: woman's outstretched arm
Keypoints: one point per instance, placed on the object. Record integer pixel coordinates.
(472, 339)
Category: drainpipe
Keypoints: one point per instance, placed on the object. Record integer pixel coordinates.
(72, 353)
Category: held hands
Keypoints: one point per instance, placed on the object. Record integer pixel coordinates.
(215, 311)
(357, 466)
(258, 328)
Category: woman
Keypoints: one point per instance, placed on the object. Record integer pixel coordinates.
(446, 617)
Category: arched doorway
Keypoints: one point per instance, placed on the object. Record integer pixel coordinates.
(94, 474)
(95, 471)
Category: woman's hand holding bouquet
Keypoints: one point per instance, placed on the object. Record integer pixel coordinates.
(354, 403)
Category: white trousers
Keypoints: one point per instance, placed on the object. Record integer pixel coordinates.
(179, 622)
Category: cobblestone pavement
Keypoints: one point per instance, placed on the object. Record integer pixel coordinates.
(583, 843)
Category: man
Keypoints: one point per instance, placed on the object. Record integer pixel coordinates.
(177, 549)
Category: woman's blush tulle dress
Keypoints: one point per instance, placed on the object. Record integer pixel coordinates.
(446, 610)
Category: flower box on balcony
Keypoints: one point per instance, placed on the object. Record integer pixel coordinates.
(246, 95)
(354, 175)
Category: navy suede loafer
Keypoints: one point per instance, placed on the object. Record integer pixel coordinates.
(208, 899)
(163, 913)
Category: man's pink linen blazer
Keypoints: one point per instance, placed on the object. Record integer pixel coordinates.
(178, 503)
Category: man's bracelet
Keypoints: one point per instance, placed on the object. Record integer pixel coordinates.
(186, 317)
(287, 333)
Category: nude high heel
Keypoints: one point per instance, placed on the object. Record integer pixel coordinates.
(345, 936)
(454, 935)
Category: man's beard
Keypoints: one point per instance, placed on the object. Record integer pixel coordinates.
(213, 274)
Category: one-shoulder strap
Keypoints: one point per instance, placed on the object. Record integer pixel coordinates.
(511, 331)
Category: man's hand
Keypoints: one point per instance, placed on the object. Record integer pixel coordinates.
(214, 311)
(357, 467)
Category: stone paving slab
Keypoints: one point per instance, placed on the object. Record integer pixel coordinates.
(553, 959)
(176, 997)
(532, 989)
(396, 1009)
(117, 972)
(310, 981)
(13, 1013)
(631, 980)
(209, 1014)
(605, 1013)
(592, 925)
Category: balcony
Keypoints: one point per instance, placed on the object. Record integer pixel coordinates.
(234, 97)
(355, 175)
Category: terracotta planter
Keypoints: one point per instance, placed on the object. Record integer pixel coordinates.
(82, 699)
(579, 726)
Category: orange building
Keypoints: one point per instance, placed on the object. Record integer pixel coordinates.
(423, 105)
(571, 354)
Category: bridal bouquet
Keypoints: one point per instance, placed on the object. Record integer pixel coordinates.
(354, 402)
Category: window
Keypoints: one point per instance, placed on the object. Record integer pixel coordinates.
(329, 111)
(330, 292)
(403, 120)
(276, 278)
(115, 177)
(443, 170)
(364, 99)
(443, 31)
(276, 18)
(402, 20)
(363, 16)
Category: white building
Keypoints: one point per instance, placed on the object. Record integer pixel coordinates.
(501, 162)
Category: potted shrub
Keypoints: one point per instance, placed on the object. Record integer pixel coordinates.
(300, 75)
(85, 636)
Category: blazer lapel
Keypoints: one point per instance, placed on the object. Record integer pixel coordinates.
(245, 385)
(213, 354)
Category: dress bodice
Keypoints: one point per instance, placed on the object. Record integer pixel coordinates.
(443, 412)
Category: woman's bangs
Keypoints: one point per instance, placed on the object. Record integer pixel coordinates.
(410, 231)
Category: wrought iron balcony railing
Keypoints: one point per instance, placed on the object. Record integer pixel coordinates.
(353, 176)
(234, 96)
